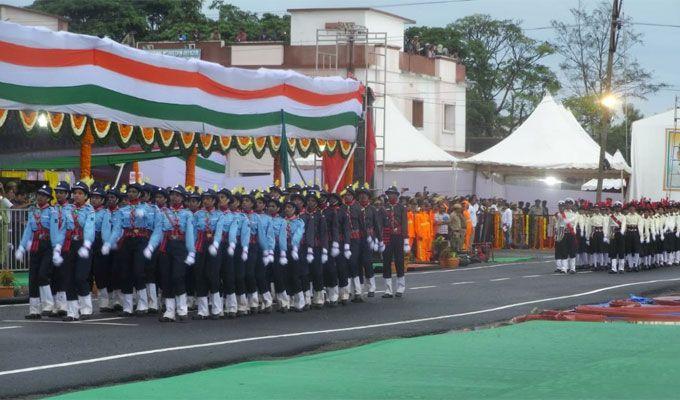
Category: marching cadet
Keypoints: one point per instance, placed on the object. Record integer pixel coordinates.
(38, 240)
(659, 222)
(194, 205)
(395, 222)
(565, 243)
(345, 237)
(266, 243)
(59, 211)
(205, 223)
(336, 268)
(101, 257)
(217, 274)
(319, 245)
(174, 237)
(113, 198)
(239, 241)
(668, 236)
(227, 231)
(134, 230)
(373, 229)
(617, 246)
(77, 235)
(646, 233)
(295, 231)
(155, 198)
(297, 197)
(582, 246)
(633, 238)
(254, 242)
(596, 227)
(358, 243)
(278, 232)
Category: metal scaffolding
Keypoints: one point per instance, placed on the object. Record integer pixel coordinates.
(330, 44)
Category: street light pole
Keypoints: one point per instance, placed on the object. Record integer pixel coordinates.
(604, 127)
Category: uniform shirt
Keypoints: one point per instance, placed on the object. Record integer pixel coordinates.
(227, 227)
(77, 223)
(257, 229)
(102, 223)
(456, 222)
(566, 221)
(320, 227)
(597, 221)
(205, 223)
(344, 224)
(473, 208)
(295, 230)
(309, 237)
(669, 223)
(506, 218)
(332, 224)
(39, 219)
(441, 222)
(174, 220)
(58, 219)
(614, 225)
(633, 220)
(395, 220)
(116, 230)
(129, 218)
(276, 232)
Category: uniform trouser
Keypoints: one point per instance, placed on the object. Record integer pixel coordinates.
(213, 265)
(669, 241)
(354, 269)
(132, 264)
(151, 274)
(251, 268)
(632, 239)
(342, 265)
(227, 272)
(394, 251)
(76, 272)
(40, 268)
(239, 271)
(280, 273)
(294, 274)
(597, 242)
(200, 272)
(366, 261)
(261, 280)
(101, 265)
(189, 281)
(304, 270)
(171, 262)
(566, 248)
(617, 247)
(317, 271)
(330, 271)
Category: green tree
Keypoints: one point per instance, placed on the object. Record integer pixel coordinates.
(506, 79)
(620, 133)
(232, 19)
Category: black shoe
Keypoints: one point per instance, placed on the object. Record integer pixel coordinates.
(61, 313)
(33, 316)
(254, 310)
(398, 294)
(298, 310)
(105, 310)
(332, 304)
(371, 294)
(165, 319)
(69, 319)
(141, 313)
(231, 315)
(612, 272)
(214, 317)
(282, 310)
(153, 311)
(117, 307)
(621, 272)
(357, 299)
(85, 317)
(199, 317)
(344, 302)
(242, 313)
(387, 296)
(46, 313)
(182, 318)
(126, 314)
(267, 310)
(572, 272)
(317, 306)
(306, 307)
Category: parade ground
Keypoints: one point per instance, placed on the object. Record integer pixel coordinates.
(50, 357)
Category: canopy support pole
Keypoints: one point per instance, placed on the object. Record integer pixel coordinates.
(298, 171)
(86, 153)
(120, 172)
(474, 180)
(344, 167)
(190, 173)
(455, 179)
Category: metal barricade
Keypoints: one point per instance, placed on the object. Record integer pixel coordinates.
(12, 223)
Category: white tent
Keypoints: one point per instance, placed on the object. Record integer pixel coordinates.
(171, 170)
(607, 184)
(655, 155)
(550, 139)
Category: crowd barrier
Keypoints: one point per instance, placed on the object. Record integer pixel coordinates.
(12, 223)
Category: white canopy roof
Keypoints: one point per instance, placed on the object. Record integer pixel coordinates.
(405, 146)
(550, 139)
(607, 184)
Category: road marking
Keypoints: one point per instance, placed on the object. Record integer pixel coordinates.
(462, 283)
(531, 276)
(585, 272)
(87, 322)
(322, 332)
(421, 287)
(14, 305)
(102, 319)
(498, 279)
(480, 267)
(9, 327)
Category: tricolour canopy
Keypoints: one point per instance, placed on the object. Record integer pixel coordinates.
(78, 74)
(550, 140)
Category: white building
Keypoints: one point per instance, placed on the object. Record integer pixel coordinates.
(429, 92)
(26, 16)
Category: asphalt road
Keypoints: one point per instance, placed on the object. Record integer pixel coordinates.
(49, 356)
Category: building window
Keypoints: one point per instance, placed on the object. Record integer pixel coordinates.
(449, 118)
(417, 113)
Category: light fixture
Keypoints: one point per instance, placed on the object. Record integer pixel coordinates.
(551, 180)
(42, 120)
(610, 101)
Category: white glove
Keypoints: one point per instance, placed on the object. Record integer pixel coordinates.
(606, 240)
(324, 256)
(310, 255)
(335, 249)
(20, 253)
(587, 242)
(244, 254)
(407, 247)
(270, 257)
(348, 253)
(139, 212)
(677, 234)
(191, 259)
(282, 258)
(106, 249)
(83, 252)
(230, 249)
(663, 237)
(294, 253)
(57, 259)
(212, 249)
(148, 252)
(369, 240)
(265, 258)
(376, 245)
(647, 240)
(381, 246)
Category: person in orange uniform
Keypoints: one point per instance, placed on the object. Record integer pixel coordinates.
(469, 230)
(424, 232)
(411, 218)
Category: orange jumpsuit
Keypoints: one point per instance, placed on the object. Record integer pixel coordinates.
(469, 231)
(411, 218)
(425, 235)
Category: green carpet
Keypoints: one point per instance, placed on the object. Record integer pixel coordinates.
(511, 259)
(21, 279)
(539, 359)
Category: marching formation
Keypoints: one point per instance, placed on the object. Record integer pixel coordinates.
(617, 237)
(151, 250)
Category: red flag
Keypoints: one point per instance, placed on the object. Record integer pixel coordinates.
(332, 165)
(370, 146)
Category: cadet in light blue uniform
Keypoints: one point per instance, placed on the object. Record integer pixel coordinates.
(228, 229)
(174, 237)
(36, 240)
(295, 231)
(254, 230)
(77, 240)
(150, 267)
(59, 211)
(113, 198)
(101, 263)
(206, 270)
(134, 231)
(278, 245)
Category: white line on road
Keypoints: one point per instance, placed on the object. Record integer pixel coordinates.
(480, 267)
(14, 305)
(585, 272)
(498, 279)
(421, 287)
(9, 327)
(87, 322)
(532, 276)
(462, 283)
(321, 332)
